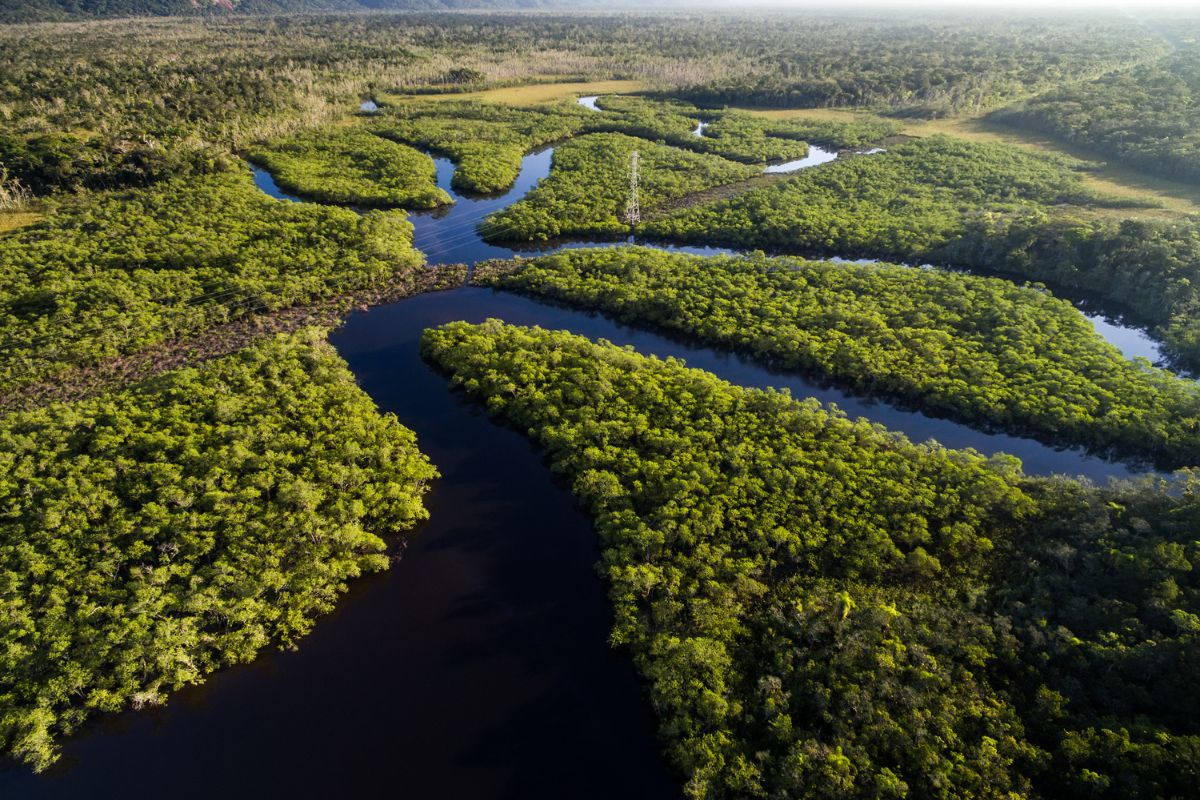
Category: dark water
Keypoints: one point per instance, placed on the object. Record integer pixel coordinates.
(449, 236)
(1133, 342)
(474, 305)
(477, 667)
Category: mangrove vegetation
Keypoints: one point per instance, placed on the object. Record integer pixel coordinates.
(979, 349)
(349, 166)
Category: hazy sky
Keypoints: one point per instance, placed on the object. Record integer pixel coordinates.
(965, 6)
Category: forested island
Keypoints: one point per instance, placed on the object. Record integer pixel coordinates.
(291, 296)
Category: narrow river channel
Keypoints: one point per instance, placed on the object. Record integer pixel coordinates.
(477, 667)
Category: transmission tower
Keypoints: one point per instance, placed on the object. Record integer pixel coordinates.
(633, 213)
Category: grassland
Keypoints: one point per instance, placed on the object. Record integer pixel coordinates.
(529, 94)
(11, 220)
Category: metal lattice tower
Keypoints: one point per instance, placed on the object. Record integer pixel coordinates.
(633, 213)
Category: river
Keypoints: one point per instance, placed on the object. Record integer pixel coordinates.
(478, 665)
(448, 235)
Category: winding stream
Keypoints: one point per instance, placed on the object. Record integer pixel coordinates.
(448, 235)
(478, 665)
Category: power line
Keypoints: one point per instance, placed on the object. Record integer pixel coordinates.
(633, 212)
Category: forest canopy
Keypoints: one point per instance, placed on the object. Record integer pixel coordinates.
(819, 608)
(968, 204)
(349, 166)
(116, 273)
(129, 102)
(152, 535)
(485, 141)
(587, 191)
(1147, 117)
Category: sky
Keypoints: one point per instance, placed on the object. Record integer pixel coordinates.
(968, 5)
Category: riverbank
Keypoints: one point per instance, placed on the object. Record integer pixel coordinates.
(227, 338)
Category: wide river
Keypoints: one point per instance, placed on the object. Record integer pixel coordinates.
(477, 667)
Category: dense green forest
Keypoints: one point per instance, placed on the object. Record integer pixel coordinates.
(1102, 598)
(486, 141)
(588, 187)
(350, 166)
(921, 66)
(1151, 267)
(980, 349)
(120, 103)
(823, 609)
(731, 134)
(969, 204)
(1147, 117)
(155, 534)
(38, 10)
(112, 274)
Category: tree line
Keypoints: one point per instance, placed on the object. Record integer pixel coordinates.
(588, 188)
(1147, 117)
(126, 102)
(350, 166)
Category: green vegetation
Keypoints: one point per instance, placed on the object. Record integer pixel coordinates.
(985, 206)
(350, 166)
(108, 276)
(588, 187)
(862, 131)
(906, 202)
(730, 516)
(108, 104)
(734, 135)
(485, 141)
(1102, 597)
(48, 162)
(29, 10)
(151, 536)
(978, 349)
(915, 66)
(823, 609)
(1150, 267)
(1148, 117)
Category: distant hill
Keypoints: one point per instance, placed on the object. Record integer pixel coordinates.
(51, 10)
